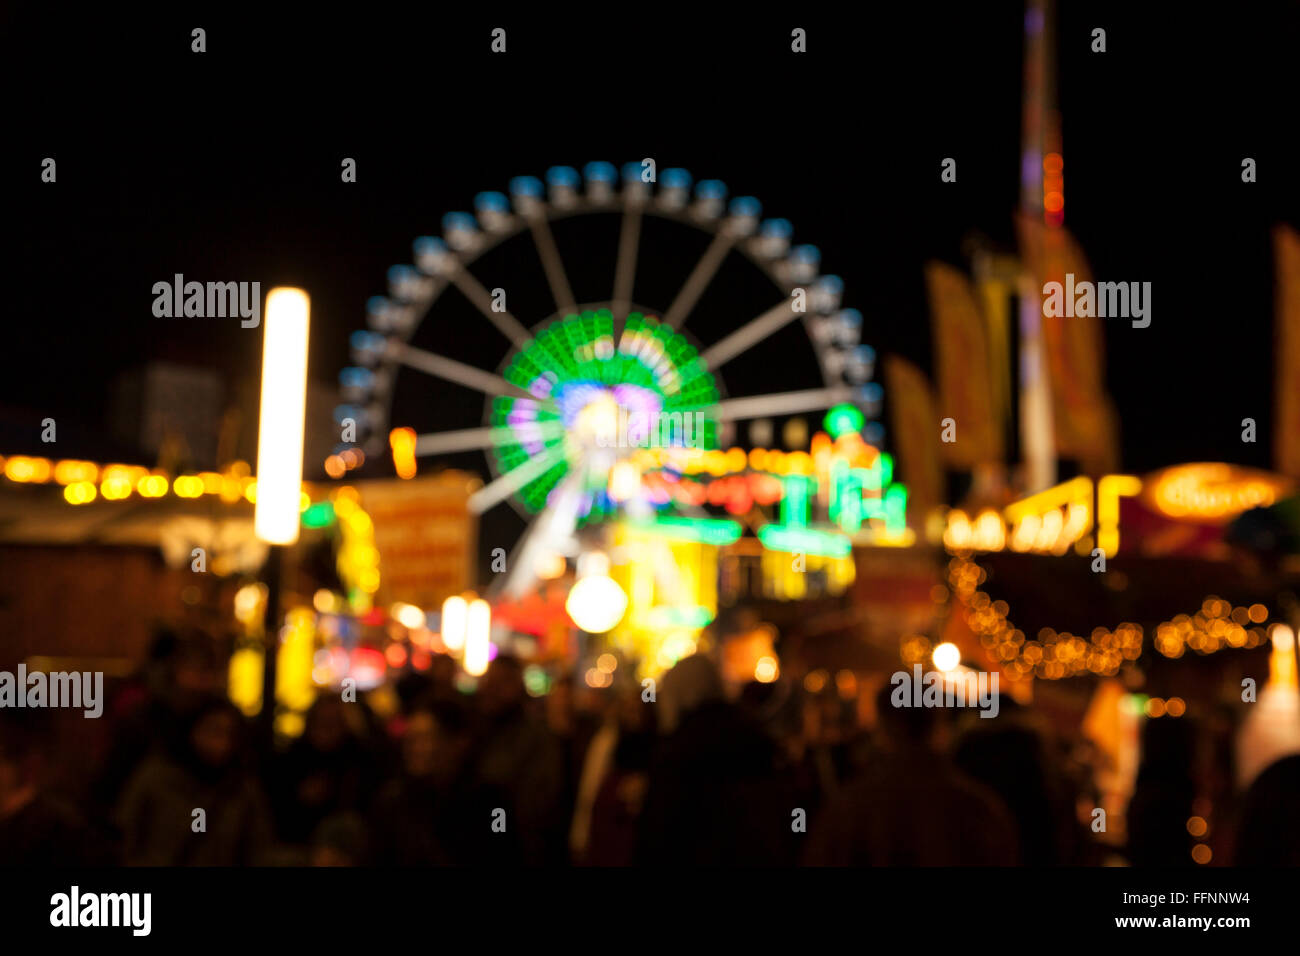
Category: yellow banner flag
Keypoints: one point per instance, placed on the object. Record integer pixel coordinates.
(962, 364)
(1286, 429)
(1085, 422)
(916, 434)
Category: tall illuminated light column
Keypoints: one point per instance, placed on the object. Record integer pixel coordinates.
(277, 511)
(280, 426)
(1040, 134)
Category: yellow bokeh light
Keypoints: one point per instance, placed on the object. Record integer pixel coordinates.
(152, 486)
(408, 615)
(248, 600)
(23, 469)
(624, 481)
(116, 488)
(80, 492)
(244, 680)
(68, 472)
(188, 486)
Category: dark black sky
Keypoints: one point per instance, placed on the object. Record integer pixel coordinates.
(225, 166)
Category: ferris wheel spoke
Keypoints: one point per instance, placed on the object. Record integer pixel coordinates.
(782, 403)
(469, 439)
(625, 271)
(506, 485)
(552, 264)
(749, 334)
(458, 372)
(699, 279)
(508, 325)
(552, 531)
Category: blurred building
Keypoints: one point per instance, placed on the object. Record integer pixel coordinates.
(187, 418)
(171, 413)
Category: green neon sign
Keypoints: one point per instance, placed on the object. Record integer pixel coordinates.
(689, 617)
(829, 544)
(319, 515)
(715, 531)
(793, 533)
(855, 495)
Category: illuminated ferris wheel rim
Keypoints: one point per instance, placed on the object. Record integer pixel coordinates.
(845, 365)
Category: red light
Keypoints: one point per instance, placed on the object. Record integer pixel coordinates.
(367, 667)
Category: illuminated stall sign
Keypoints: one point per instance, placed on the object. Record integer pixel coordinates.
(847, 482)
(1065, 516)
(1212, 492)
(1048, 522)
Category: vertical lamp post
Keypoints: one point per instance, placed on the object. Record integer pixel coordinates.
(279, 458)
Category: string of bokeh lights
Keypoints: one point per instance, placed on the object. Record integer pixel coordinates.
(1054, 654)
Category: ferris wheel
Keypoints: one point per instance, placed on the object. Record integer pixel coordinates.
(566, 385)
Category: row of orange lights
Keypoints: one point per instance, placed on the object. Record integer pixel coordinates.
(716, 462)
(1159, 707)
(846, 682)
(1052, 656)
(1217, 624)
(84, 481)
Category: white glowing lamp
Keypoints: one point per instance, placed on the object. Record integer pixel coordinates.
(455, 612)
(596, 603)
(478, 627)
(947, 656)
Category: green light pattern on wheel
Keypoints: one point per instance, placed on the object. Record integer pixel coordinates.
(574, 362)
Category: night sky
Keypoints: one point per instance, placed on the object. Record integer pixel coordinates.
(224, 166)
